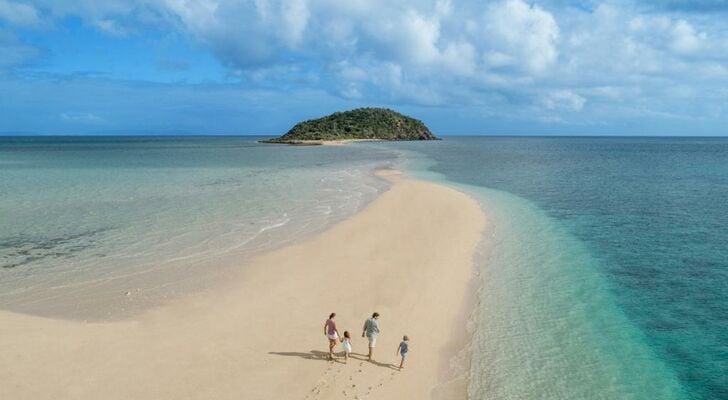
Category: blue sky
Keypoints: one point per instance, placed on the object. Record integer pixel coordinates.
(556, 67)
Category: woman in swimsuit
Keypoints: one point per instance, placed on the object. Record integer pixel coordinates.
(331, 333)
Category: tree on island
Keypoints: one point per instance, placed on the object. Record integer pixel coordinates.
(357, 124)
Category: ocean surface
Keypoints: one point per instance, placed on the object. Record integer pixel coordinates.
(607, 273)
(604, 266)
(82, 218)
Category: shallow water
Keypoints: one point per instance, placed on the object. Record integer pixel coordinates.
(78, 213)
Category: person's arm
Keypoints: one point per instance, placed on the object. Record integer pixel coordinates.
(326, 325)
(364, 330)
(336, 329)
(399, 347)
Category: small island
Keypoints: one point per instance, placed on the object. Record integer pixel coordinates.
(360, 124)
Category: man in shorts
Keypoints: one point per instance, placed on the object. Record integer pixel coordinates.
(371, 331)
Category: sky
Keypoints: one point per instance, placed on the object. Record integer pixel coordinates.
(505, 67)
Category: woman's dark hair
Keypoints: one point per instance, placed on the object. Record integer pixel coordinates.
(333, 314)
(376, 314)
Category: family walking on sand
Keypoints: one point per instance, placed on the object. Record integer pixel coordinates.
(370, 331)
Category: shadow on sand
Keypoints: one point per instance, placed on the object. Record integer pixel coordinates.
(324, 356)
(311, 355)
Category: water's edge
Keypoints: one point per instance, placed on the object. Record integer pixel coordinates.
(532, 272)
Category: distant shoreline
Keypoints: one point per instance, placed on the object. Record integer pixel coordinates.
(319, 142)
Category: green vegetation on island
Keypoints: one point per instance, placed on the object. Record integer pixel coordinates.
(357, 124)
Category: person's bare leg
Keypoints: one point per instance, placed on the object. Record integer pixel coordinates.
(401, 363)
(332, 343)
(371, 350)
(346, 356)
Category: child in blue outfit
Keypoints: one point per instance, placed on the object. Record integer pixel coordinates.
(402, 350)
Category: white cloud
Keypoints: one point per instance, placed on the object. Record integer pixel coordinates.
(110, 27)
(563, 100)
(244, 34)
(460, 58)
(415, 37)
(351, 91)
(520, 35)
(18, 13)
(686, 40)
(513, 54)
(81, 117)
(295, 15)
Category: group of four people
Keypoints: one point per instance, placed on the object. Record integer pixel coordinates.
(370, 331)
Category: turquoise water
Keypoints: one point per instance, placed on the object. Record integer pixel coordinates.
(604, 268)
(83, 217)
(607, 267)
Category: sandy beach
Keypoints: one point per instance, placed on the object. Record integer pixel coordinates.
(408, 255)
(340, 142)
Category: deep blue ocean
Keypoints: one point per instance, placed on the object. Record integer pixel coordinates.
(604, 266)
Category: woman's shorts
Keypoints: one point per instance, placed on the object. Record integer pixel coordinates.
(333, 336)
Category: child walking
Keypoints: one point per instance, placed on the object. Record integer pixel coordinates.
(346, 342)
(402, 350)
